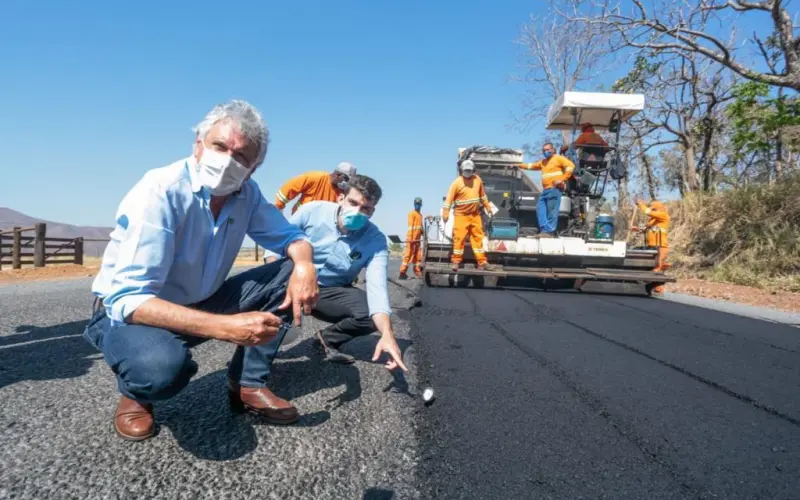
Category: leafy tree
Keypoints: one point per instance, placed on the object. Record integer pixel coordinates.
(765, 124)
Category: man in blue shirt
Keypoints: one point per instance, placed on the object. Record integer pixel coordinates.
(162, 287)
(345, 242)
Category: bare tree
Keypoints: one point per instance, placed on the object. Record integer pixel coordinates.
(685, 102)
(681, 28)
(643, 160)
(558, 55)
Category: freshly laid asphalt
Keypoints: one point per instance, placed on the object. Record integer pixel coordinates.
(538, 395)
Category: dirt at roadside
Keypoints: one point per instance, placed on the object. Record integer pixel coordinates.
(783, 301)
(55, 272)
(62, 271)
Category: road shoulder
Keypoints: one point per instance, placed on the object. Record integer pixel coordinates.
(740, 309)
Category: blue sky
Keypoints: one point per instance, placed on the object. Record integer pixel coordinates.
(99, 92)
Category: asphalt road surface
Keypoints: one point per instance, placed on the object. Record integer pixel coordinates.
(355, 439)
(539, 395)
(570, 395)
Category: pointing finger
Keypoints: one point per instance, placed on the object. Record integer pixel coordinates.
(297, 309)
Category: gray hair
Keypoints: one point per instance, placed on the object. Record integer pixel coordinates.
(247, 119)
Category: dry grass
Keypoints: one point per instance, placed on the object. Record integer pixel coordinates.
(749, 236)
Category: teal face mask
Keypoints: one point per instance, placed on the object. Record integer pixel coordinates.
(352, 219)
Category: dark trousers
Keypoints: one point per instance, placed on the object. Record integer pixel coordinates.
(153, 364)
(346, 307)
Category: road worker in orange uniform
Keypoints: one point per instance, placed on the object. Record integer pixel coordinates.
(467, 194)
(656, 233)
(413, 253)
(589, 137)
(315, 186)
(556, 169)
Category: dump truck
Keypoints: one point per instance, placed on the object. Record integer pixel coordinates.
(588, 248)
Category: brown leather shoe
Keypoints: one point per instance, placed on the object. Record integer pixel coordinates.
(263, 402)
(133, 421)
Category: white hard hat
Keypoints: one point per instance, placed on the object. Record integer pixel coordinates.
(467, 165)
(346, 168)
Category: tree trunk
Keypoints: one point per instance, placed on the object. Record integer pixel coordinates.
(690, 174)
(644, 161)
(779, 156)
(652, 186)
(622, 192)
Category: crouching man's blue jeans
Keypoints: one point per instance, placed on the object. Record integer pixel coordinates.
(153, 364)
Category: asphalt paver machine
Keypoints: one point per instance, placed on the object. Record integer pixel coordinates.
(587, 247)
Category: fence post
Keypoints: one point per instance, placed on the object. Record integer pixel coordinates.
(79, 251)
(16, 249)
(256, 247)
(39, 245)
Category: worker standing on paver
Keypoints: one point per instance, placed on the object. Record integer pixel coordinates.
(656, 233)
(556, 169)
(413, 253)
(315, 186)
(467, 195)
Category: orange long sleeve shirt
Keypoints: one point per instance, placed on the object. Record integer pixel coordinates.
(311, 186)
(467, 195)
(414, 226)
(657, 226)
(590, 139)
(555, 169)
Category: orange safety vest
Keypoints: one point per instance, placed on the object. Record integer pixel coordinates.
(311, 186)
(467, 195)
(414, 226)
(657, 226)
(590, 139)
(555, 169)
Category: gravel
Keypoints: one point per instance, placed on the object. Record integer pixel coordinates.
(356, 438)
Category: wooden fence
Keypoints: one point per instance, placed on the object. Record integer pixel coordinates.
(18, 248)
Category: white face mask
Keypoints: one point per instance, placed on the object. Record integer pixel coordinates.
(467, 173)
(220, 173)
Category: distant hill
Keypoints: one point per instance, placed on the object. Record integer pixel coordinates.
(10, 218)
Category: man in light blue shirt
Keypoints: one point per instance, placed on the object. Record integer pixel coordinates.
(163, 285)
(345, 242)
